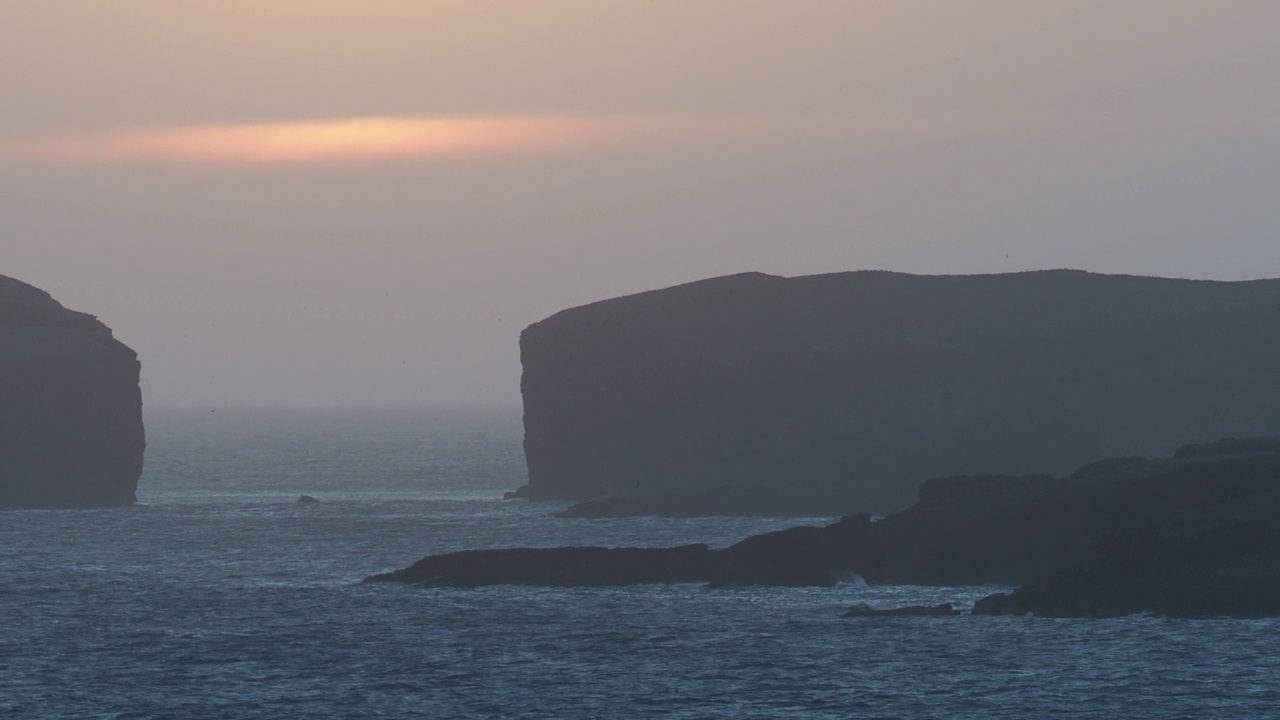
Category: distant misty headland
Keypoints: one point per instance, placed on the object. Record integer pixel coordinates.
(833, 394)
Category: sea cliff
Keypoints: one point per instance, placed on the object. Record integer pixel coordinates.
(71, 431)
(837, 394)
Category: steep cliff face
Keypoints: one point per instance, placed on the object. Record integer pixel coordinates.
(71, 429)
(849, 389)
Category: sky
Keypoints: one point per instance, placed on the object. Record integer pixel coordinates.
(314, 202)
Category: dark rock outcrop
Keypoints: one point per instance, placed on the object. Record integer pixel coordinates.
(833, 394)
(567, 566)
(1196, 534)
(1224, 569)
(863, 610)
(752, 501)
(1206, 543)
(71, 429)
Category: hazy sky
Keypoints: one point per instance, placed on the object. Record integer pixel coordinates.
(324, 202)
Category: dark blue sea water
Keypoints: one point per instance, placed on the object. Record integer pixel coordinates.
(219, 597)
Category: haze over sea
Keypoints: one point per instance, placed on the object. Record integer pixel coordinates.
(220, 597)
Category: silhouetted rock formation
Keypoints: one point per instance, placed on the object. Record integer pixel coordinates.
(1175, 559)
(757, 501)
(1196, 534)
(831, 394)
(1230, 570)
(864, 610)
(70, 406)
(568, 566)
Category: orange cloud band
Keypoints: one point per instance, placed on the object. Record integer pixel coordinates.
(348, 140)
(444, 137)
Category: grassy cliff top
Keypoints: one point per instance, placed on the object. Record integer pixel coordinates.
(24, 305)
(758, 310)
(34, 325)
(23, 343)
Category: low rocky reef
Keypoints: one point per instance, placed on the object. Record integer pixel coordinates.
(71, 432)
(757, 501)
(864, 610)
(1194, 535)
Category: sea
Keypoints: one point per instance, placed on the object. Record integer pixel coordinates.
(219, 596)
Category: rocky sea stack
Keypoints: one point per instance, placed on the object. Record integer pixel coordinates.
(71, 432)
(837, 394)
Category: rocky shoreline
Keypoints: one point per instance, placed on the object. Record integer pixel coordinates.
(1195, 535)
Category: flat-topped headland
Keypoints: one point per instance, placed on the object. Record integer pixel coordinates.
(71, 432)
(1197, 534)
(839, 394)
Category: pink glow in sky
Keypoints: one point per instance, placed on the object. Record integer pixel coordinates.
(320, 202)
(365, 139)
